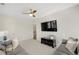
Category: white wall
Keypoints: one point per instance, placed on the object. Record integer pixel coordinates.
(22, 28)
(67, 24)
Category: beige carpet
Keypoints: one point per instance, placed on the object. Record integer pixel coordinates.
(34, 47)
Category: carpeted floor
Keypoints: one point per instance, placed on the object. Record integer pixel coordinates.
(34, 47)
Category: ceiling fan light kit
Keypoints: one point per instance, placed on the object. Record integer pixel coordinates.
(30, 14)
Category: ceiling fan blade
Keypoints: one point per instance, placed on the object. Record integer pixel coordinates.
(31, 9)
(34, 11)
(34, 16)
(26, 13)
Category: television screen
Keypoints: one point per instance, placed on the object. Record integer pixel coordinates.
(49, 26)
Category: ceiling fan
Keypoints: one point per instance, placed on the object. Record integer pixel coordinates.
(31, 13)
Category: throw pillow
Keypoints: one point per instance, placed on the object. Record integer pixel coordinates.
(71, 45)
(64, 41)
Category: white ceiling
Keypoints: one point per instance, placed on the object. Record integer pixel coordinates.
(16, 9)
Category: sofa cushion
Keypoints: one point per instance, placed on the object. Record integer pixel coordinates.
(2, 47)
(64, 41)
(15, 42)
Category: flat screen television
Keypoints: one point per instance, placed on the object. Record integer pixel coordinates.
(49, 26)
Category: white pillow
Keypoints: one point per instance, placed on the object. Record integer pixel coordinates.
(71, 45)
(15, 43)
